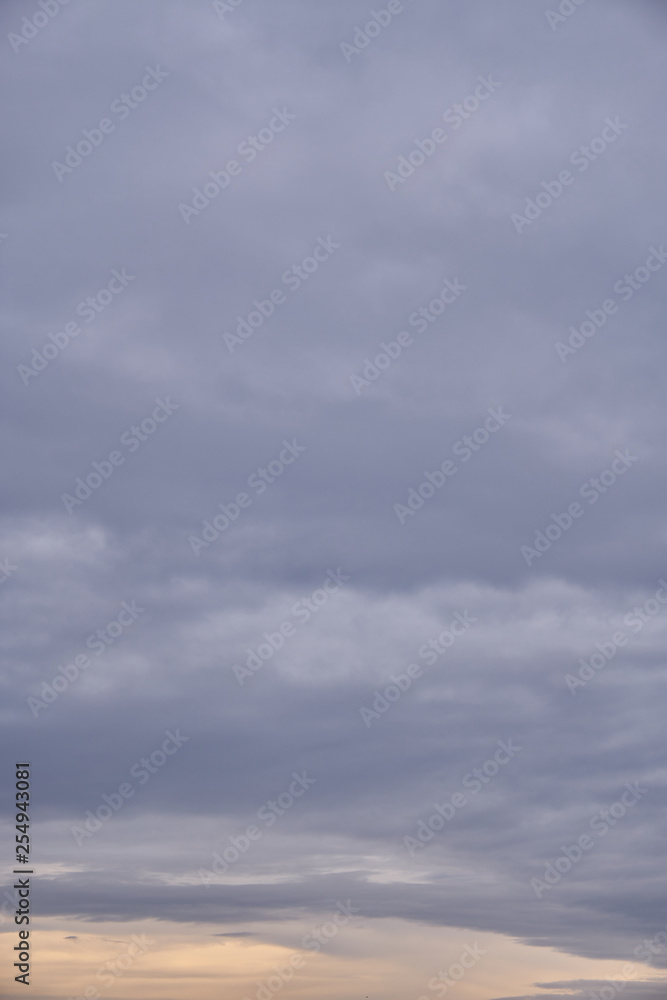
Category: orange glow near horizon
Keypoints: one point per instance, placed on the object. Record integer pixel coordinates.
(390, 958)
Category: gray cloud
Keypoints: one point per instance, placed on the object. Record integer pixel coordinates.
(162, 337)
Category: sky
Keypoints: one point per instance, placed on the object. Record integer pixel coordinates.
(334, 584)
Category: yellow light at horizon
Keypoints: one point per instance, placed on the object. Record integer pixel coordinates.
(389, 958)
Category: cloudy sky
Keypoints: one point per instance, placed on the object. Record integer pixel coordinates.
(333, 542)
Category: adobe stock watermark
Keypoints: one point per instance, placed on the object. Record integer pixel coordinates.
(12, 907)
(313, 940)
(222, 7)
(114, 968)
(259, 481)
(293, 278)
(142, 771)
(377, 22)
(420, 319)
(249, 149)
(566, 9)
(269, 814)
(429, 652)
(644, 952)
(606, 650)
(98, 642)
(122, 107)
(596, 318)
(474, 781)
(454, 116)
(592, 490)
(303, 611)
(443, 982)
(132, 439)
(464, 449)
(6, 569)
(582, 157)
(31, 26)
(601, 823)
(88, 309)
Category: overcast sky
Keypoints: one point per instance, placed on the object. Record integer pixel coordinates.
(329, 475)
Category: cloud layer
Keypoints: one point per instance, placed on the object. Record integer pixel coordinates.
(321, 373)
